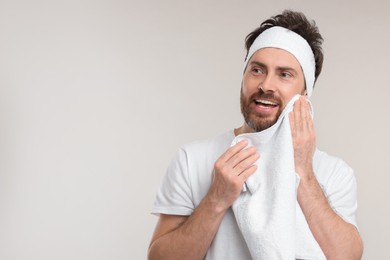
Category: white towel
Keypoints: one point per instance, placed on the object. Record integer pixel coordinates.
(267, 211)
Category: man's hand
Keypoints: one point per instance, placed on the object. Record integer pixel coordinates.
(231, 170)
(337, 238)
(189, 237)
(303, 136)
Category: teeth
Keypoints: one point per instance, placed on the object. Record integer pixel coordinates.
(266, 102)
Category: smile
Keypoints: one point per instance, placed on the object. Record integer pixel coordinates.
(265, 103)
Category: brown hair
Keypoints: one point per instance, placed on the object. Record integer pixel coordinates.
(297, 22)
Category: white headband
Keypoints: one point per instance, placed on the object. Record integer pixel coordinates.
(282, 38)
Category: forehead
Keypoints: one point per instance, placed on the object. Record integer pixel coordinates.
(275, 57)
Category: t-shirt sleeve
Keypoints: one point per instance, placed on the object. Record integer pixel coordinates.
(174, 195)
(342, 194)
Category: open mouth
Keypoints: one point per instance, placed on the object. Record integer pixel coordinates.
(266, 103)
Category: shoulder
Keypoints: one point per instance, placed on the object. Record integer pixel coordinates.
(326, 165)
(209, 147)
(333, 173)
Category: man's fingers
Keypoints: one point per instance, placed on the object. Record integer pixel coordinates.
(292, 123)
(248, 172)
(297, 115)
(246, 163)
(305, 112)
(236, 159)
(241, 156)
(233, 150)
(300, 118)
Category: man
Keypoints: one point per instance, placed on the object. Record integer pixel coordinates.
(194, 203)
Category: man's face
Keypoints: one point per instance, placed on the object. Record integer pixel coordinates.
(272, 77)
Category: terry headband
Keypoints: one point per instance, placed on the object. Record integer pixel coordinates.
(285, 39)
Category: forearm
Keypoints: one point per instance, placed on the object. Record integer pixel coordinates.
(337, 238)
(191, 239)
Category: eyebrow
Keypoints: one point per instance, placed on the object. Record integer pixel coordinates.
(258, 64)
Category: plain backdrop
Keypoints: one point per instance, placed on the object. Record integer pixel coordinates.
(96, 96)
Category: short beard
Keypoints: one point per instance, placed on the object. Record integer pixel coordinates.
(256, 123)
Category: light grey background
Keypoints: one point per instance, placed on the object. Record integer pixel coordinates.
(96, 96)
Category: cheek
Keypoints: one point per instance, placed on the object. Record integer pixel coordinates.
(248, 87)
(293, 89)
(288, 93)
(244, 91)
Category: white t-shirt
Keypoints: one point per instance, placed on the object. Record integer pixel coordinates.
(189, 177)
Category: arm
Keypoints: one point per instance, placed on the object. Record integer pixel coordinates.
(337, 238)
(189, 237)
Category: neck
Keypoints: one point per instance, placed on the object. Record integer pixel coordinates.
(243, 129)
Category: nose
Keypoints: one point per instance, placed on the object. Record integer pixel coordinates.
(267, 85)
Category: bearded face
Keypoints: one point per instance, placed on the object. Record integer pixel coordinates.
(272, 77)
(260, 110)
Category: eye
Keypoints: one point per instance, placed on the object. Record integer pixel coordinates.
(286, 74)
(257, 71)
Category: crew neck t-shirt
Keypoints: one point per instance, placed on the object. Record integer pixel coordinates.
(189, 176)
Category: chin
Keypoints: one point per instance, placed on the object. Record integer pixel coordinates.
(260, 125)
